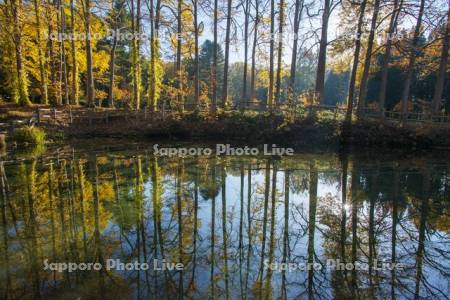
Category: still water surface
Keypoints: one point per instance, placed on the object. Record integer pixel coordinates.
(241, 227)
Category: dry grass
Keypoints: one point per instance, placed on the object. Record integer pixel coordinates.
(17, 114)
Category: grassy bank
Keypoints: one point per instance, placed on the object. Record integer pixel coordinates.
(324, 131)
(264, 128)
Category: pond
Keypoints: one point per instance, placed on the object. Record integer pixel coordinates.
(117, 222)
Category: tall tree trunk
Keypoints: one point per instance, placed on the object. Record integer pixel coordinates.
(135, 16)
(244, 87)
(112, 57)
(411, 62)
(439, 87)
(214, 66)
(368, 58)
(271, 55)
(112, 62)
(75, 87)
(297, 18)
(89, 71)
(138, 54)
(64, 89)
(133, 54)
(50, 53)
(351, 89)
(22, 81)
(255, 42)
(197, 67)
(321, 65)
(227, 56)
(387, 54)
(280, 54)
(42, 70)
(59, 91)
(154, 54)
(178, 63)
(151, 84)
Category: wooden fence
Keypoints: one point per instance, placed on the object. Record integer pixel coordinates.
(55, 116)
(410, 117)
(63, 117)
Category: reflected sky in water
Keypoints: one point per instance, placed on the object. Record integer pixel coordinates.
(227, 220)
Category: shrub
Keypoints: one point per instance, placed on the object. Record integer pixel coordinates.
(29, 135)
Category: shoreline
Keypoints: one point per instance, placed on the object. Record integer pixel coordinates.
(319, 132)
(252, 130)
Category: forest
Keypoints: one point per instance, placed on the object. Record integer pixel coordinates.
(350, 96)
(201, 55)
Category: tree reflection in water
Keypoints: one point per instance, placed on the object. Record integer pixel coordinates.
(225, 219)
